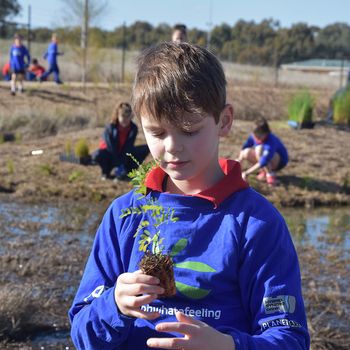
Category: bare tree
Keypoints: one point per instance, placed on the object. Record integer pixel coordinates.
(83, 13)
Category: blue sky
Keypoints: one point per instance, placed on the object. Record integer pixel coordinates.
(197, 13)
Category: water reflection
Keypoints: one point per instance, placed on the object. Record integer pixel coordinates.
(323, 228)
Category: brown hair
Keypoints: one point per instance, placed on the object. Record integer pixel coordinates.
(177, 78)
(122, 107)
(261, 127)
(181, 27)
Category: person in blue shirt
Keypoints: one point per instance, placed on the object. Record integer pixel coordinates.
(51, 57)
(265, 151)
(236, 270)
(19, 61)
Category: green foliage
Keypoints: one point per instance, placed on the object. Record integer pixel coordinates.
(68, 148)
(138, 176)
(81, 148)
(47, 169)
(300, 107)
(2, 139)
(341, 108)
(149, 231)
(75, 175)
(10, 166)
(9, 8)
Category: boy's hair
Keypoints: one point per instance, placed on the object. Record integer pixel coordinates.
(181, 27)
(123, 108)
(177, 78)
(17, 36)
(261, 127)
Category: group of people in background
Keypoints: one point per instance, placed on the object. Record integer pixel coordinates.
(263, 150)
(21, 67)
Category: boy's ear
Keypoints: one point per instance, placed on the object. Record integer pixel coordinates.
(226, 119)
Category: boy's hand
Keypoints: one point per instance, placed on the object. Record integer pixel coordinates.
(134, 290)
(197, 335)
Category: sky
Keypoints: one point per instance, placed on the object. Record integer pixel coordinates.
(200, 14)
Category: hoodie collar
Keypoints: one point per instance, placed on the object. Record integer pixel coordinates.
(232, 182)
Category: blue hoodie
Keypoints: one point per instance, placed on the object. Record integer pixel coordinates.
(17, 58)
(271, 145)
(51, 54)
(235, 268)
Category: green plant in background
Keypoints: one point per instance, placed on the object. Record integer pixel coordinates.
(10, 166)
(81, 148)
(75, 175)
(47, 169)
(341, 108)
(68, 148)
(300, 107)
(2, 139)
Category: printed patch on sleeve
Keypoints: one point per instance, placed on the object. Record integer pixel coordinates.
(278, 323)
(95, 294)
(281, 303)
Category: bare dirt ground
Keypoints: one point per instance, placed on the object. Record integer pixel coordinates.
(39, 275)
(48, 118)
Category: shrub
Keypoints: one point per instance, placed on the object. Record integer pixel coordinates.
(68, 148)
(300, 107)
(341, 107)
(81, 148)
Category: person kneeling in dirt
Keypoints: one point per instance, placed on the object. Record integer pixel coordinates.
(265, 151)
(117, 142)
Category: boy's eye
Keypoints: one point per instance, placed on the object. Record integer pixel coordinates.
(190, 132)
(158, 133)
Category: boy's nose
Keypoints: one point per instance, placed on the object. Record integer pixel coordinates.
(172, 144)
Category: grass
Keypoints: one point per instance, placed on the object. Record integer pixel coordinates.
(342, 108)
(81, 148)
(300, 107)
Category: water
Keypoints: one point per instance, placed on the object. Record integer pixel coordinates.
(326, 230)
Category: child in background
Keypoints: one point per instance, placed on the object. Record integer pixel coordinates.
(19, 60)
(265, 151)
(179, 34)
(35, 70)
(6, 71)
(118, 140)
(236, 269)
(51, 56)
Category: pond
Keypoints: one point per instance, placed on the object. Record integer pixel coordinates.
(321, 237)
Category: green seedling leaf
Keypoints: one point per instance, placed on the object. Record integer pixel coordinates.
(195, 266)
(192, 292)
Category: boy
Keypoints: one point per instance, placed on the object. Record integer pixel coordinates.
(265, 151)
(51, 56)
(118, 141)
(179, 34)
(19, 60)
(236, 270)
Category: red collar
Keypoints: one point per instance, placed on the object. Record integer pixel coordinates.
(230, 183)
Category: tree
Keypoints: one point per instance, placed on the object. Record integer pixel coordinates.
(9, 8)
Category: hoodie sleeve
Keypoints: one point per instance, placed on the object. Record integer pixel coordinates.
(248, 143)
(271, 287)
(95, 320)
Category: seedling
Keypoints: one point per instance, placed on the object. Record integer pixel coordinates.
(156, 261)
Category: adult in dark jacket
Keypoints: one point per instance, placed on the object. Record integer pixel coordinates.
(117, 142)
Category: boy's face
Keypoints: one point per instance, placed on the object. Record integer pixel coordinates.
(179, 36)
(189, 153)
